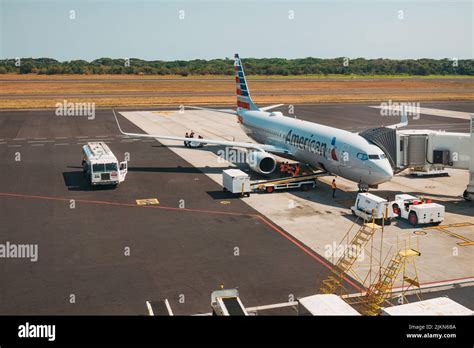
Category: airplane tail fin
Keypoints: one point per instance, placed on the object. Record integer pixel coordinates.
(243, 95)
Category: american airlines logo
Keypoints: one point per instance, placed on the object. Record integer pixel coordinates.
(307, 144)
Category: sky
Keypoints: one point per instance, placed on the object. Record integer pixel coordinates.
(194, 29)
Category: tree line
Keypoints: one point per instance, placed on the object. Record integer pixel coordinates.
(253, 66)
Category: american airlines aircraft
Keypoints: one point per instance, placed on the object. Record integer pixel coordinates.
(334, 150)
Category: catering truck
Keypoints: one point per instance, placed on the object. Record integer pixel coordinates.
(100, 166)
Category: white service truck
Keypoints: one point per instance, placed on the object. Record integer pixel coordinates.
(417, 211)
(368, 206)
(100, 166)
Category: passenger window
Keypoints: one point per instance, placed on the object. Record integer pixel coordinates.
(362, 156)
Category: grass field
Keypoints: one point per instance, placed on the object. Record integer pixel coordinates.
(44, 91)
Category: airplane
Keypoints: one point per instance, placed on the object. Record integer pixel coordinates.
(335, 151)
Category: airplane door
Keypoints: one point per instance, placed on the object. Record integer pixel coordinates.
(344, 159)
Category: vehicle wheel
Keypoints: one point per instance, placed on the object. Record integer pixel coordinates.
(353, 212)
(465, 195)
(224, 189)
(412, 218)
(269, 189)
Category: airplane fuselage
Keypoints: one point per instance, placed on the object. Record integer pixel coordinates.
(336, 150)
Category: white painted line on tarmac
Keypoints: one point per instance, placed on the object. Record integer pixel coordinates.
(60, 137)
(14, 145)
(19, 139)
(61, 144)
(3, 143)
(37, 144)
(40, 141)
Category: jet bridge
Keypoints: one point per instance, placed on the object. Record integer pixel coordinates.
(426, 151)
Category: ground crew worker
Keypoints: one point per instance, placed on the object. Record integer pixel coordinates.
(334, 188)
(191, 135)
(297, 169)
(186, 143)
(282, 169)
(287, 169)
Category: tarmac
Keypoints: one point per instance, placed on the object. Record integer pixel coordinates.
(101, 251)
(107, 255)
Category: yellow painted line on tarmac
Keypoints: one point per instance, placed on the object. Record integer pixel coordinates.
(461, 224)
(444, 228)
(224, 202)
(164, 113)
(148, 201)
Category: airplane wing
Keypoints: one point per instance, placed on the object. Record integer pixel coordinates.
(251, 146)
(403, 122)
(224, 111)
(266, 108)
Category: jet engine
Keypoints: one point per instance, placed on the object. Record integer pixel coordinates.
(261, 162)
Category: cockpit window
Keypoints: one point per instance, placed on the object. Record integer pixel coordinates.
(362, 156)
(374, 157)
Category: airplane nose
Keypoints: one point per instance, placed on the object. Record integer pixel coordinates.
(385, 171)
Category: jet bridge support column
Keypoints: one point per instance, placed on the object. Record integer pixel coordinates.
(469, 193)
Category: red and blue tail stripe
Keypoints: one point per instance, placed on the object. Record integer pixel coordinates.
(243, 96)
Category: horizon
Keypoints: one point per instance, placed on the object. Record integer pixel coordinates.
(228, 58)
